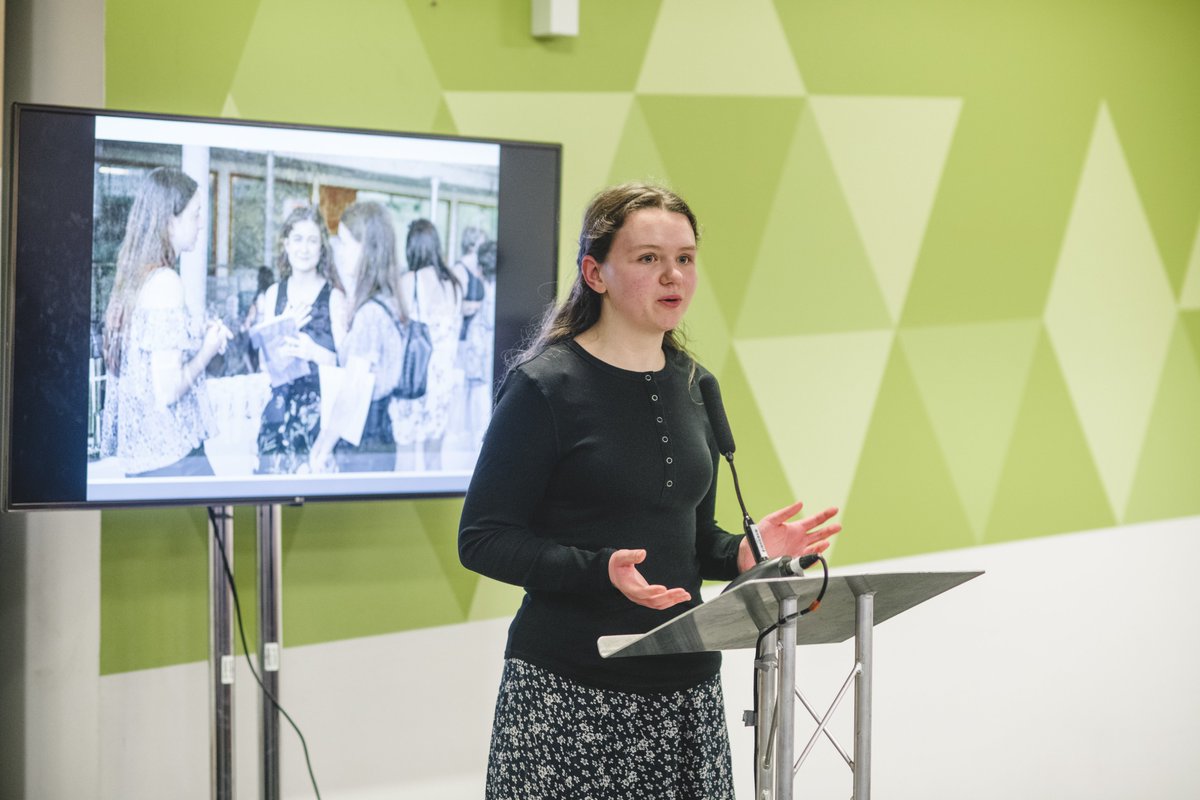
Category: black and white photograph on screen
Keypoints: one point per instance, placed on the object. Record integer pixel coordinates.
(274, 304)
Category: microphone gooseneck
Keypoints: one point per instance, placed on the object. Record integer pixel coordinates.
(710, 393)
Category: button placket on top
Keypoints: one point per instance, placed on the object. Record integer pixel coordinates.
(658, 408)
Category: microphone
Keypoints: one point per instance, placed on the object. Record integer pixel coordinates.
(710, 393)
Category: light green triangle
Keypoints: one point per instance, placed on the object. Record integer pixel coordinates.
(1168, 475)
(703, 171)
(1189, 297)
(888, 153)
(494, 600)
(764, 485)
(391, 85)
(727, 49)
(1110, 312)
(439, 523)
(815, 394)
(903, 499)
(360, 570)
(587, 125)
(811, 274)
(972, 378)
(637, 157)
(230, 109)
(1049, 483)
(707, 333)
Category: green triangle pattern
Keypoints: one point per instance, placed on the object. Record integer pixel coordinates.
(760, 470)
(744, 51)
(888, 153)
(761, 126)
(392, 84)
(816, 394)
(1189, 296)
(811, 274)
(1110, 312)
(903, 499)
(1168, 476)
(637, 157)
(1049, 483)
(487, 47)
(588, 124)
(364, 574)
(989, 253)
(1190, 320)
(1160, 144)
(972, 379)
(183, 73)
(706, 333)
(439, 523)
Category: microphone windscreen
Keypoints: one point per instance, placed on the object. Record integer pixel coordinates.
(710, 392)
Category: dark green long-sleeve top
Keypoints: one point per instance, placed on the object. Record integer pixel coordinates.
(581, 459)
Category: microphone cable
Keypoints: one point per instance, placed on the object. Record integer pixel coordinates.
(237, 605)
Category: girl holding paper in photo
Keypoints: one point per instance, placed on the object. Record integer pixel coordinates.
(156, 412)
(358, 434)
(309, 299)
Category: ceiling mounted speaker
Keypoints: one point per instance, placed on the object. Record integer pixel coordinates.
(555, 18)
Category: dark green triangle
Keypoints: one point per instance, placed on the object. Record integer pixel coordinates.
(174, 57)
(637, 157)
(443, 120)
(763, 479)
(811, 273)
(1190, 320)
(725, 155)
(1167, 483)
(903, 499)
(440, 519)
(1049, 483)
(360, 570)
(489, 47)
(1159, 139)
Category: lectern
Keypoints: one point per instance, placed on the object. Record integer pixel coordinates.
(768, 609)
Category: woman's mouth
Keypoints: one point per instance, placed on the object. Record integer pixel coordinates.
(672, 300)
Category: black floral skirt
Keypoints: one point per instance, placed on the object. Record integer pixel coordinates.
(554, 738)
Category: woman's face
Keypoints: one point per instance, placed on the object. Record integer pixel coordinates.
(184, 228)
(649, 276)
(347, 252)
(303, 246)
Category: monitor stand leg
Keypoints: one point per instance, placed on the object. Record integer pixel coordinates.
(220, 649)
(270, 645)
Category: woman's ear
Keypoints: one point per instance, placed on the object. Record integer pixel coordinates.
(590, 269)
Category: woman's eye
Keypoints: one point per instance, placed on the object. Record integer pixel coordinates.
(685, 260)
(647, 259)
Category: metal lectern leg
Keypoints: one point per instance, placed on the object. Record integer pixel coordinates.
(785, 735)
(220, 649)
(270, 635)
(766, 668)
(864, 622)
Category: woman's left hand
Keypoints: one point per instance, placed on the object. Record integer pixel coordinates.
(809, 536)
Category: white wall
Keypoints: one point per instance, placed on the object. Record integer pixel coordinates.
(50, 562)
(1066, 671)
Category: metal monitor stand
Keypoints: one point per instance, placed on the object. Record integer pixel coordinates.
(852, 606)
(221, 650)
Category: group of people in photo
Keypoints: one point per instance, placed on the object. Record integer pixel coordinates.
(329, 328)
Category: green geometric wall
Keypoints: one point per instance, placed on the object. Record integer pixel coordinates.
(950, 265)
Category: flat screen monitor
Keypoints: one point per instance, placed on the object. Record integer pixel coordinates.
(212, 311)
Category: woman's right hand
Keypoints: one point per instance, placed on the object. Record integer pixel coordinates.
(623, 573)
(216, 337)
